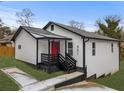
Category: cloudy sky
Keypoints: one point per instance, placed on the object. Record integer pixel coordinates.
(62, 12)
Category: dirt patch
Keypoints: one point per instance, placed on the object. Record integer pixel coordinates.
(82, 85)
(19, 73)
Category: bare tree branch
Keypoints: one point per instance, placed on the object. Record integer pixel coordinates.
(76, 24)
(25, 17)
(4, 30)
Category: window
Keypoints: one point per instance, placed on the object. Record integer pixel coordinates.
(93, 49)
(70, 48)
(52, 27)
(77, 50)
(112, 49)
(19, 46)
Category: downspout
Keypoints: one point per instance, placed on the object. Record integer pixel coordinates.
(119, 50)
(84, 56)
(65, 47)
(48, 69)
(37, 53)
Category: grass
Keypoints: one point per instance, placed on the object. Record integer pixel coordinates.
(115, 81)
(7, 84)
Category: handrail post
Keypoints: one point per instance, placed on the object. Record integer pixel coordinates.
(65, 47)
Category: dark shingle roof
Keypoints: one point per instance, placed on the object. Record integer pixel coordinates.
(41, 32)
(82, 32)
(38, 33)
(36, 30)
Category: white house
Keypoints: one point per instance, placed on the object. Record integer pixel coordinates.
(59, 46)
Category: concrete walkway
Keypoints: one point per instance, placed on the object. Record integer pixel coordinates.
(50, 83)
(21, 78)
(85, 86)
(28, 83)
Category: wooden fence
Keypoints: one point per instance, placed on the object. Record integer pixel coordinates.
(7, 51)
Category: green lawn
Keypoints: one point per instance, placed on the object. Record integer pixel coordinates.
(7, 84)
(115, 81)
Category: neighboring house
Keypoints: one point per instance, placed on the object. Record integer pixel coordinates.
(7, 46)
(6, 41)
(68, 48)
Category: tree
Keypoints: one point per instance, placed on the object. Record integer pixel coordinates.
(110, 27)
(1, 31)
(4, 30)
(76, 24)
(7, 30)
(1, 22)
(25, 17)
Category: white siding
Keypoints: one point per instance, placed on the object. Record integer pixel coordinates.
(43, 48)
(76, 39)
(104, 61)
(27, 52)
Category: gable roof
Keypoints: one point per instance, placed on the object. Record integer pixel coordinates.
(38, 33)
(81, 33)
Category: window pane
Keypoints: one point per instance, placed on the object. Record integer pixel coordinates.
(52, 27)
(93, 52)
(70, 48)
(93, 48)
(93, 45)
(70, 45)
(19, 46)
(112, 47)
(70, 52)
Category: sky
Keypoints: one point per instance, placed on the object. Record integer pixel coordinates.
(62, 12)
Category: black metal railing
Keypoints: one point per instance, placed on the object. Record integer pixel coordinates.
(67, 63)
(49, 59)
(70, 60)
(62, 63)
(49, 62)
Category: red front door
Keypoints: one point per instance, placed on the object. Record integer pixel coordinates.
(54, 48)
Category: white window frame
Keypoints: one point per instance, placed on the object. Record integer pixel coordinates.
(70, 49)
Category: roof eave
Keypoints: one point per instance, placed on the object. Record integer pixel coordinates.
(50, 22)
(55, 38)
(102, 39)
(18, 31)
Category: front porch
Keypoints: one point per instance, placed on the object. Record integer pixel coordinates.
(50, 64)
(55, 57)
